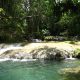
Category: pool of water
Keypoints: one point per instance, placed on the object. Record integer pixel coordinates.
(38, 70)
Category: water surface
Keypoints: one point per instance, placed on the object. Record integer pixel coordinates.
(38, 70)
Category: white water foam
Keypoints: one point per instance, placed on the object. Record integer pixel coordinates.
(70, 58)
(9, 48)
(12, 47)
(6, 59)
(17, 60)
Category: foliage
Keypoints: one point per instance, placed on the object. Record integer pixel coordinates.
(19, 18)
(48, 38)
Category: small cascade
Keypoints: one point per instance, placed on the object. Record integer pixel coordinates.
(70, 57)
(10, 47)
(4, 48)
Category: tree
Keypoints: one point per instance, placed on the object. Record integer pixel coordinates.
(11, 15)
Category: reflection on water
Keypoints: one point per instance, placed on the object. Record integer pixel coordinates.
(38, 70)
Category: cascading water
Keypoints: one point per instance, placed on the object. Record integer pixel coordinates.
(70, 57)
(9, 47)
(25, 56)
(4, 48)
(16, 46)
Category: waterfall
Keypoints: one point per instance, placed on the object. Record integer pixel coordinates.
(5, 47)
(70, 57)
(9, 47)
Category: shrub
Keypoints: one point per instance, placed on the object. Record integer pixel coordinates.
(48, 38)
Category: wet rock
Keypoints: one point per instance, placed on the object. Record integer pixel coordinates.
(46, 53)
(49, 53)
(36, 40)
(23, 55)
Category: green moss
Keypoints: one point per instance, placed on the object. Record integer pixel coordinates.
(77, 53)
(72, 42)
(48, 38)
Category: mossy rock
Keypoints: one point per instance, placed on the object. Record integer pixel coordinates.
(77, 53)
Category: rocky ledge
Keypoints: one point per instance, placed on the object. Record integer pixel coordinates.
(46, 53)
(40, 52)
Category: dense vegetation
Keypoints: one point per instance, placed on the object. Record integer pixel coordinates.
(22, 19)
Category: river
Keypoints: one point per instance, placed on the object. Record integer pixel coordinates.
(35, 70)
